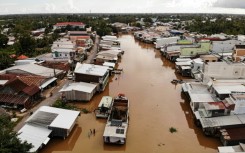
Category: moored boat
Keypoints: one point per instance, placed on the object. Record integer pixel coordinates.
(104, 107)
(117, 122)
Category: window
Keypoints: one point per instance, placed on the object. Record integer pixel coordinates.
(120, 131)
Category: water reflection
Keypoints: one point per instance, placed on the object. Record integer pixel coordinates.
(64, 145)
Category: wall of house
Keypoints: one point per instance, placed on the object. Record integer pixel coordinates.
(218, 69)
(86, 78)
(63, 55)
(240, 107)
(78, 95)
(238, 54)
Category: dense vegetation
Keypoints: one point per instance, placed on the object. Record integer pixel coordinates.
(218, 24)
(9, 143)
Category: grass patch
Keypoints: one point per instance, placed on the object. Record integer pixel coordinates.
(60, 104)
(85, 111)
(172, 130)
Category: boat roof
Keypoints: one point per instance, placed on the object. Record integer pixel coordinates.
(109, 64)
(106, 101)
(115, 131)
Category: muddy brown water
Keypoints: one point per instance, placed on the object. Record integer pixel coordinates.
(155, 106)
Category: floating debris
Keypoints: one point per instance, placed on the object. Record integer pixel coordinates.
(172, 130)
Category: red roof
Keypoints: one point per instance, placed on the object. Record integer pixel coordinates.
(31, 90)
(7, 76)
(22, 57)
(13, 99)
(69, 23)
(32, 80)
(16, 84)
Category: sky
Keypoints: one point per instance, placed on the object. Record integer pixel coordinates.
(122, 6)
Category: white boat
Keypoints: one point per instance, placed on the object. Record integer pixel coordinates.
(104, 107)
(117, 122)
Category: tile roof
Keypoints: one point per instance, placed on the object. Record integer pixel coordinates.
(7, 76)
(31, 90)
(13, 99)
(32, 80)
(22, 57)
(16, 85)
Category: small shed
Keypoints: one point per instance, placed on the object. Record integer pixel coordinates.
(80, 91)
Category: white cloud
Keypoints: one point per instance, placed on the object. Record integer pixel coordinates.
(123, 6)
(49, 7)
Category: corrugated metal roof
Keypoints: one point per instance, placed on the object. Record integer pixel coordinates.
(79, 86)
(31, 90)
(91, 69)
(48, 82)
(42, 118)
(201, 98)
(65, 118)
(227, 89)
(35, 69)
(187, 63)
(35, 135)
(2, 82)
(13, 99)
(222, 121)
(109, 64)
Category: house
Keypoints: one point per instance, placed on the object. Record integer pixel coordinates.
(226, 46)
(198, 94)
(232, 149)
(238, 53)
(235, 102)
(197, 68)
(209, 58)
(45, 123)
(232, 136)
(218, 69)
(60, 25)
(63, 49)
(165, 41)
(32, 69)
(15, 93)
(92, 74)
(80, 91)
(184, 68)
(212, 125)
(45, 77)
(81, 38)
(202, 49)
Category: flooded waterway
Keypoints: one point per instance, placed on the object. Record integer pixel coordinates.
(155, 106)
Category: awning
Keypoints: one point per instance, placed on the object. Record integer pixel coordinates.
(48, 82)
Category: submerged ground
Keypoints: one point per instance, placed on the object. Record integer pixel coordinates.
(155, 106)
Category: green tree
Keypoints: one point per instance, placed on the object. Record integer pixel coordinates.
(27, 45)
(3, 41)
(9, 142)
(5, 60)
